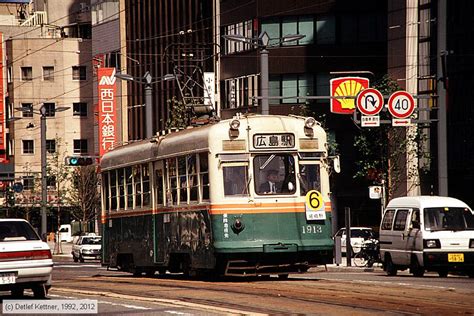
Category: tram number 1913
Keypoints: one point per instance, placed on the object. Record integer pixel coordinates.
(311, 229)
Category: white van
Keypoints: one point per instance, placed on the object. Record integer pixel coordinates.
(427, 233)
(65, 233)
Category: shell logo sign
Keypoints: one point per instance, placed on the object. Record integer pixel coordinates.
(346, 87)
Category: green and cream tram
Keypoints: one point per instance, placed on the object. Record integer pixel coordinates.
(241, 197)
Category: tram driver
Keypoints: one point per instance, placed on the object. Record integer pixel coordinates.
(272, 185)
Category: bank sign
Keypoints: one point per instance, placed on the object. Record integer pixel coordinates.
(344, 91)
(107, 109)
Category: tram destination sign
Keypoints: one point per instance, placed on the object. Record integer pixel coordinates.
(265, 141)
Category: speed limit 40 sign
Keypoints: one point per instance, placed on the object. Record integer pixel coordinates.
(401, 104)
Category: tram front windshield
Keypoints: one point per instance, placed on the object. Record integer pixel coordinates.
(274, 174)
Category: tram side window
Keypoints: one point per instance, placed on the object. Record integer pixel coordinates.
(310, 178)
(129, 187)
(193, 184)
(121, 188)
(172, 193)
(137, 182)
(146, 185)
(113, 190)
(159, 186)
(105, 181)
(204, 175)
(235, 180)
(183, 186)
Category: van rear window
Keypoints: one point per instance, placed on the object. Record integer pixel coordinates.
(448, 218)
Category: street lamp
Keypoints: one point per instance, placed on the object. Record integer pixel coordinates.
(262, 42)
(147, 81)
(44, 192)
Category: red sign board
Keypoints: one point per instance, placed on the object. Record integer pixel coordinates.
(346, 87)
(369, 101)
(3, 147)
(401, 104)
(107, 109)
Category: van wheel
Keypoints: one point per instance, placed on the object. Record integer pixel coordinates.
(390, 268)
(416, 269)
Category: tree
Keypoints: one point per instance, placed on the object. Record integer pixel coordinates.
(389, 155)
(178, 118)
(84, 195)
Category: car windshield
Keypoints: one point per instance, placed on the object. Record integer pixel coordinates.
(91, 241)
(448, 218)
(362, 233)
(12, 231)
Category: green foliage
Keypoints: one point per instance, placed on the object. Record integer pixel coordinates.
(178, 118)
(383, 151)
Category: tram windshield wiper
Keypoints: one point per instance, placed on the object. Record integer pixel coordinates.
(264, 165)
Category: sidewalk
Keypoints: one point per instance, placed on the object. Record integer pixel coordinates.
(60, 254)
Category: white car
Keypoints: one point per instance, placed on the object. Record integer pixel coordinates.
(25, 260)
(87, 247)
(358, 236)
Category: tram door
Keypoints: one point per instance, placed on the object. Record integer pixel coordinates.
(159, 218)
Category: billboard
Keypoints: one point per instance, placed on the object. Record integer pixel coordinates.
(3, 146)
(346, 87)
(107, 109)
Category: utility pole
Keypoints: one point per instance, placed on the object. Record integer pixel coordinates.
(442, 102)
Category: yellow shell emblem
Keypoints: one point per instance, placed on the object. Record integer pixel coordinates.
(345, 89)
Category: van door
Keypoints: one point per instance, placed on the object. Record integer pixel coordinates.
(400, 256)
(414, 240)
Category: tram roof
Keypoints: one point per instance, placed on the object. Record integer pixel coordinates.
(184, 141)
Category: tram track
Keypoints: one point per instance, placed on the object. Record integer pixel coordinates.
(276, 297)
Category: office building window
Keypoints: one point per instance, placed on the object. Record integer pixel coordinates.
(292, 87)
(79, 73)
(50, 109)
(240, 92)
(326, 30)
(27, 110)
(243, 28)
(80, 146)
(51, 146)
(28, 146)
(277, 28)
(28, 182)
(26, 73)
(79, 109)
(48, 73)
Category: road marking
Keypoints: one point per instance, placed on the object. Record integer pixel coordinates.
(106, 302)
(164, 302)
(78, 265)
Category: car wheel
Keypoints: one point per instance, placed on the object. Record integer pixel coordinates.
(416, 269)
(443, 273)
(39, 291)
(17, 292)
(283, 276)
(390, 268)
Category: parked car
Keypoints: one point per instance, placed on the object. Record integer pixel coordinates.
(87, 247)
(358, 236)
(25, 260)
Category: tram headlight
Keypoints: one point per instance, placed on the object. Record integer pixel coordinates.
(234, 128)
(309, 122)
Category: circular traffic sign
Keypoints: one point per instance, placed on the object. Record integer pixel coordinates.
(314, 200)
(369, 101)
(401, 104)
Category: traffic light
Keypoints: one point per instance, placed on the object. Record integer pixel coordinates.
(76, 161)
(10, 197)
